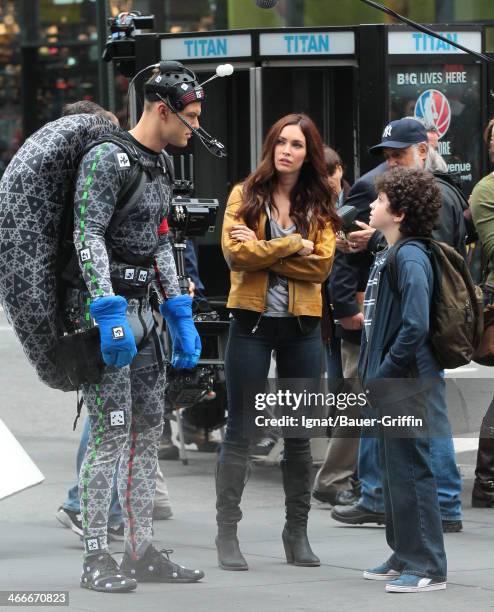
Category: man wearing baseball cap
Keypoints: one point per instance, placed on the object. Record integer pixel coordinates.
(401, 134)
(404, 143)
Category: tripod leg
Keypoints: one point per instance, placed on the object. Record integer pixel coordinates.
(181, 438)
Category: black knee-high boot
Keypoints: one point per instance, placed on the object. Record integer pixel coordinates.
(297, 483)
(483, 488)
(231, 476)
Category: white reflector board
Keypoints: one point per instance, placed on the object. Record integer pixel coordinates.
(17, 469)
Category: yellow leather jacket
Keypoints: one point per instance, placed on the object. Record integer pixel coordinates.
(251, 261)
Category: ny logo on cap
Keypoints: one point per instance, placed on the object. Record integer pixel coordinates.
(387, 131)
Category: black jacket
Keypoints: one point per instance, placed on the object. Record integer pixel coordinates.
(350, 272)
(451, 227)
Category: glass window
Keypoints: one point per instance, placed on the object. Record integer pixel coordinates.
(311, 13)
(66, 20)
(474, 10)
(62, 75)
(177, 15)
(10, 83)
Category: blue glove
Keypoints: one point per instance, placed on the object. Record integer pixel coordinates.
(177, 312)
(118, 345)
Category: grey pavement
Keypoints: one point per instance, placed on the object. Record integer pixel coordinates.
(36, 553)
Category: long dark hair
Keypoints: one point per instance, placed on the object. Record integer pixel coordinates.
(312, 192)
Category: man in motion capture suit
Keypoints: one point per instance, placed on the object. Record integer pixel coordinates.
(124, 255)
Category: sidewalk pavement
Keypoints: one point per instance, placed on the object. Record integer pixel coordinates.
(36, 553)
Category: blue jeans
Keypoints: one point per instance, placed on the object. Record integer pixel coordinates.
(192, 270)
(247, 361)
(442, 457)
(72, 503)
(413, 521)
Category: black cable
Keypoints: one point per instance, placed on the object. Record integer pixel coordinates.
(426, 30)
(129, 88)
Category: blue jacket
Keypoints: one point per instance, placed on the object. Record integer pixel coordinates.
(399, 345)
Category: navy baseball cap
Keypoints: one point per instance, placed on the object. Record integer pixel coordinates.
(401, 134)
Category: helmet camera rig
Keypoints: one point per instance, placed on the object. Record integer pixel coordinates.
(172, 83)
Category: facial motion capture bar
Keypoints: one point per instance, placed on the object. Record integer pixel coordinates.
(426, 30)
(212, 145)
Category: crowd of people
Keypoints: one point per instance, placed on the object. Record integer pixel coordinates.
(318, 296)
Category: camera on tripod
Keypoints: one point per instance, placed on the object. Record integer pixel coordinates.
(192, 216)
(202, 390)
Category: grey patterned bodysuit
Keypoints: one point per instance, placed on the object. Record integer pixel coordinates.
(126, 408)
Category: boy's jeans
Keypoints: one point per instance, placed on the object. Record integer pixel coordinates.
(443, 464)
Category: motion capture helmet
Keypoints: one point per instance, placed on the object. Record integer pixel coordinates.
(176, 84)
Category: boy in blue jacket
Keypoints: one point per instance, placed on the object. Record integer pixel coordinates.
(400, 371)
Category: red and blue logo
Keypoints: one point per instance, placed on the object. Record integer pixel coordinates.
(433, 108)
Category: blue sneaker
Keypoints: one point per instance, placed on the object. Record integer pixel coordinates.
(381, 572)
(408, 583)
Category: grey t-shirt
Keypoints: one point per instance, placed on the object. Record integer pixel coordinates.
(277, 297)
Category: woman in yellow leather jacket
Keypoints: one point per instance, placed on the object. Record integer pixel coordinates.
(278, 240)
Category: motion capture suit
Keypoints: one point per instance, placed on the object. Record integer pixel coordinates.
(122, 256)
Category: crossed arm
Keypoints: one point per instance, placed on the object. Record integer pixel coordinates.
(245, 252)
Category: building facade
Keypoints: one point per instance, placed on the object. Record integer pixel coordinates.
(50, 49)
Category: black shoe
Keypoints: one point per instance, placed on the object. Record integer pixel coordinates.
(101, 573)
(167, 450)
(483, 494)
(155, 566)
(116, 534)
(70, 519)
(452, 526)
(194, 435)
(162, 513)
(356, 515)
(336, 498)
(263, 447)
